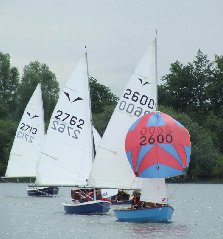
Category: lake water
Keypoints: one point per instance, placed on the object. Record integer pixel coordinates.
(198, 214)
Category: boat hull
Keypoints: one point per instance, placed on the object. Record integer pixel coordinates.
(91, 207)
(42, 191)
(124, 202)
(158, 214)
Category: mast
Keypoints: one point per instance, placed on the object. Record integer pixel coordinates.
(156, 72)
(92, 140)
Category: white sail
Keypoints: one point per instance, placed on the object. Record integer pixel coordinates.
(28, 141)
(97, 138)
(153, 190)
(111, 168)
(66, 158)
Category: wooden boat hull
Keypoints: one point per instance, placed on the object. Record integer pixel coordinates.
(91, 207)
(42, 191)
(158, 214)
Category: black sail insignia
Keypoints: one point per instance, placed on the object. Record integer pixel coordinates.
(68, 97)
(32, 117)
(143, 83)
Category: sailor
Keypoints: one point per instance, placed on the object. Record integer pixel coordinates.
(136, 201)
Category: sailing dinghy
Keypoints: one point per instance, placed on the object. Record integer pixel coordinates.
(68, 152)
(157, 146)
(25, 152)
(138, 99)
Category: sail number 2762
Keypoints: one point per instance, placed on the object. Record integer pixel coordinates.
(62, 119)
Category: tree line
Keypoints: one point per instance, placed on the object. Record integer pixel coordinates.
(191, 93)
(15, 92)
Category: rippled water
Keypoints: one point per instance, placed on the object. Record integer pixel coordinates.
(198, 214)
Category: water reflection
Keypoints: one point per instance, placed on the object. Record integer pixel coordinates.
(158, 230)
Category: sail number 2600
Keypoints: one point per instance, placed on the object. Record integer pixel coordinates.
(135, 97)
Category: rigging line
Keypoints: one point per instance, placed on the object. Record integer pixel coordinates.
(134, 180)
(178, 186)
(114, 152)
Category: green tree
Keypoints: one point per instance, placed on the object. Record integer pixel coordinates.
(101, 97)
(7, 134)
(218, 167)
(215, 87)
(214, 124)
(204, 154)
(185, 87)
(33, 74)
(100, 120)
(9, 82)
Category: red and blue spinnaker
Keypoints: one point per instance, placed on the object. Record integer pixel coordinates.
(158, 146)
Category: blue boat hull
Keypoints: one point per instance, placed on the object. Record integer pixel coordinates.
(91, 207)
(123, 202)
(158, 214)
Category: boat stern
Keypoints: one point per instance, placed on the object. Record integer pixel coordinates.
(158, 214)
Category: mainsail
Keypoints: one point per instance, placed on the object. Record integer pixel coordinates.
(66, 158)
(28, 141)
(111, 169)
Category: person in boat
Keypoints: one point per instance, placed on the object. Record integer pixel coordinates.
(75, 195)
(83, 195)
(136, 203)
(98, 195)
(150, 205)
(114, 199)
(153, 205)
(120, 196)
(89, 195)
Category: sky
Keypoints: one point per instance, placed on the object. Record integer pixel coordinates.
(117, 33)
